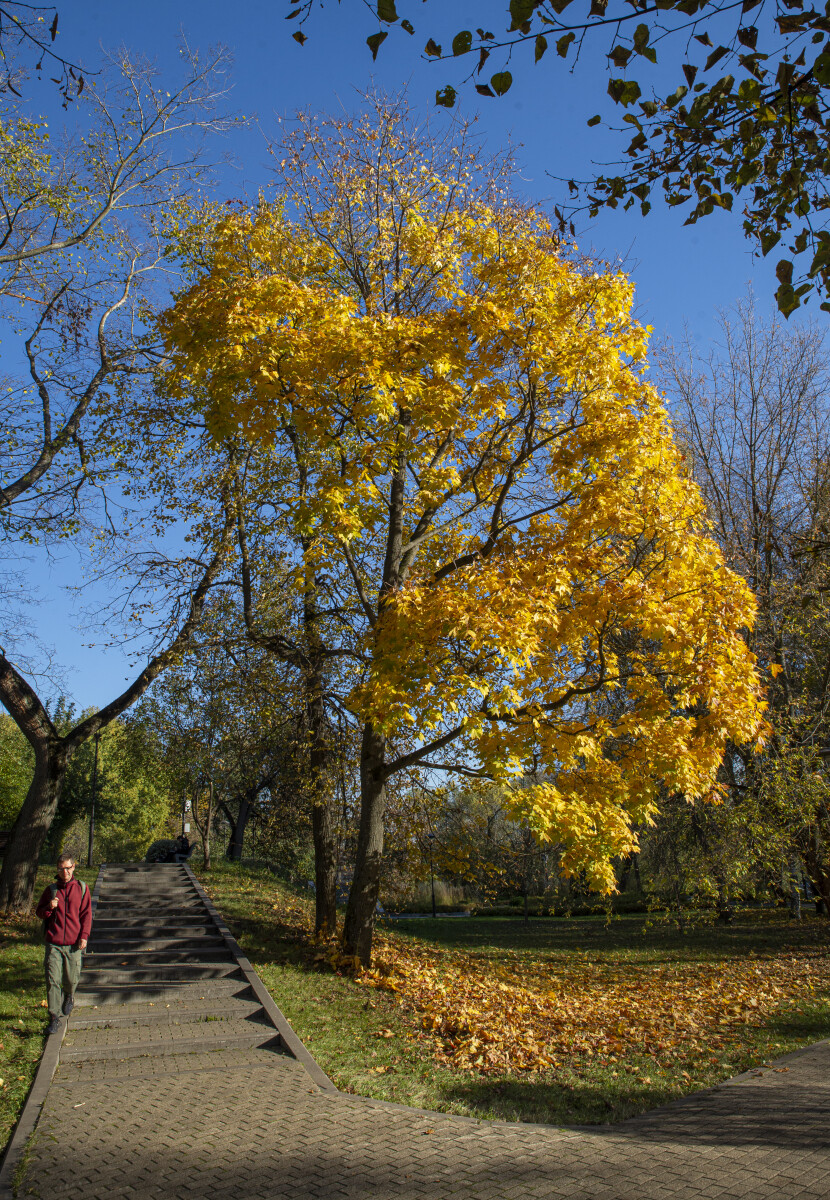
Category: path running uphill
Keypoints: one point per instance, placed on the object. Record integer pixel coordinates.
(179, 1077)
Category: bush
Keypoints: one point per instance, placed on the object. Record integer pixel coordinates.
(159, 850)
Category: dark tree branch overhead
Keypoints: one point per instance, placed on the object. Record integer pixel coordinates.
(53, 444)
(34, 27)
(756, 127)
(79, 243)
(54, 751)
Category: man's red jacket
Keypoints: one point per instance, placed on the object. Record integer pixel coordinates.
(71, 921)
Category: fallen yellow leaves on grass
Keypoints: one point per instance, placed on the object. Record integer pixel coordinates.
(518, 1014)
(495, 1014)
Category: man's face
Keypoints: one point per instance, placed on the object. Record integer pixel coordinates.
(65, 870)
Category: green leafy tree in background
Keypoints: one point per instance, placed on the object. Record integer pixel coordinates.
(16, 765)
(746, 118)
(133, 794)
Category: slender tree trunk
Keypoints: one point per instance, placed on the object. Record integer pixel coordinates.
(325, 868)
(30, 830)
(818, 874)
(365, 889)
(323, 817)
(204, 826)
(208, 822)
(231, 847)
(792, 887)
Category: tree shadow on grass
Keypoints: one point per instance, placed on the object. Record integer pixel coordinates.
(777, 1115)
(545, 1101)
(782, 1101)
(757, 934)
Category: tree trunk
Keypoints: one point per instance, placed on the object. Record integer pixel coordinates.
(231, 847)
(30, 830)
(238, 826)
(625, 871)
(323, 818)
(206, 835)
(792, 887)
(724, 906)
(325, 868)
(814, 859)
(204, 826)
(365, 889)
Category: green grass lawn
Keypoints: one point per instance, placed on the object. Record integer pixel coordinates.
(373, 1043)
(23, 1016)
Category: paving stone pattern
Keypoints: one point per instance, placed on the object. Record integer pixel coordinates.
(172, 1084)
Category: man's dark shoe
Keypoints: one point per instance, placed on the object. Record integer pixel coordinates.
(68, 1005)
(54, 1025)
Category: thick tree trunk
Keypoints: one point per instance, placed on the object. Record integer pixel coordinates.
(630, 863)
(365, 889)
(30, 830)
(238, 827)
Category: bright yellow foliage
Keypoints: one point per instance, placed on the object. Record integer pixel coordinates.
(537, 595)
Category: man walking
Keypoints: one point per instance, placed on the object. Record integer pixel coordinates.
(66, 910)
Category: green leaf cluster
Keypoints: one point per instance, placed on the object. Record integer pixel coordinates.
(758, 130)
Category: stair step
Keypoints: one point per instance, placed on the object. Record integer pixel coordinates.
(181, 1046)
(134, 943)
(161, 992)
(141, 956)
(183, 973)
(231, 1059)
(153, 904)
(134, 1042)
(184, 896)
(148, 887)
(109, 1017)
(157, 927)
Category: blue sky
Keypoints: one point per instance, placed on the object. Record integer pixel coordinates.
(683, 274)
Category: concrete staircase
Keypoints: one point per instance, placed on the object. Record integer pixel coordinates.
(164, 987)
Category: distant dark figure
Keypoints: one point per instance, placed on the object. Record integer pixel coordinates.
(181, 851)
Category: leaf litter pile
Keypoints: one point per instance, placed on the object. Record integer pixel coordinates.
(521, 1013)
(497, 1012)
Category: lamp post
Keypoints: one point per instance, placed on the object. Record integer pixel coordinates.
(92, 805)
(431, 837)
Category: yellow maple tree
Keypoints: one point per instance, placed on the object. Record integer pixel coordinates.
(530, 588)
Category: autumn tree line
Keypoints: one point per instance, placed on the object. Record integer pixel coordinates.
(404, 545)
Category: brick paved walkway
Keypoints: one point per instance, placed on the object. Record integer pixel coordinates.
(153, 1099)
